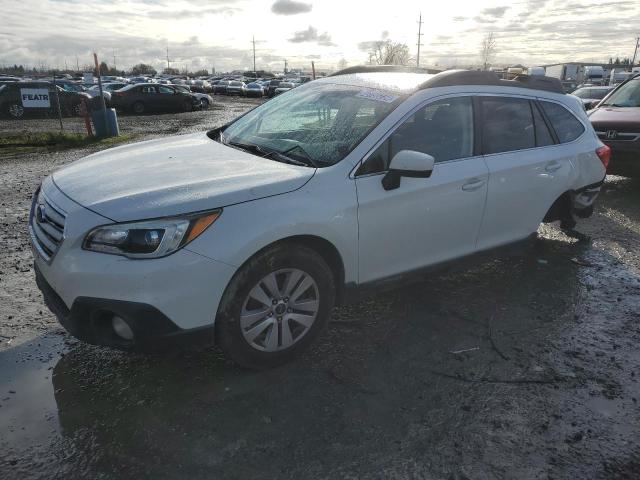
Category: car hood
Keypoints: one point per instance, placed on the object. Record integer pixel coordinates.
(172, 176)
(616, 118)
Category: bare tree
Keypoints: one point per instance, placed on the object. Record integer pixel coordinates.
(487, 49)
(342, 64)
(387, 52)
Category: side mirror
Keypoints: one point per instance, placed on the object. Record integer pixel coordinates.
(407, 163)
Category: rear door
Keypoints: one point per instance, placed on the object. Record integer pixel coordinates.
(527, 172)
(424, 221)
(149, 96)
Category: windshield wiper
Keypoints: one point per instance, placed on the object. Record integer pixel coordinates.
(281, 156)
(306, 159)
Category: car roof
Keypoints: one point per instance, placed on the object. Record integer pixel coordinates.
(408, 81)
(393, 81)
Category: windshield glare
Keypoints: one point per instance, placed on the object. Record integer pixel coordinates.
(628, 95)
(320, 121)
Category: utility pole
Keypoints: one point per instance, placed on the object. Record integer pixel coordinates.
(253, 41)
(635, 52)
(168, 66)
(114, 60)
(285, 66)
(77, 64)
(420, 22)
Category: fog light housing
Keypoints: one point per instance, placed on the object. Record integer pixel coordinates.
(122, 328)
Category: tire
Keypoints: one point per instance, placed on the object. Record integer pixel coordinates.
(204, 103)
(138, 108)
(14, 111)
(246, 327)
(75, 110)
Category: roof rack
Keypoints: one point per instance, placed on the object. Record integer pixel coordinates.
(382, 68)
(452, 78)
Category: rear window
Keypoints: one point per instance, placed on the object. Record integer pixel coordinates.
(566, 125)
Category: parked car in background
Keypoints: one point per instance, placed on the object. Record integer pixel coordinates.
(151, 97)
(616, 120)
(254, 89)
(284, 87)
(591, 96)
(111, 87)
(220, 88)
(9, 78)
(205, 99)
(201, 86)
(253, 231)
(271, 89)
(236, 87)
(141, 80)
(17, 99)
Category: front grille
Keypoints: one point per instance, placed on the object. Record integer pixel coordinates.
(46, 226)
(614, 135)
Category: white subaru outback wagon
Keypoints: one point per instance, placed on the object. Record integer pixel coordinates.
(250, 233)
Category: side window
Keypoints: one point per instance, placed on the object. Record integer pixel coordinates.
(566, 125)
(443, 129)
(543, 135)
(166, 90)
(507, 125)
(149, 89)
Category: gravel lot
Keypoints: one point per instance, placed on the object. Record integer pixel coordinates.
(520, 368)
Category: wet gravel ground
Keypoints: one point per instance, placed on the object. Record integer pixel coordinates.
(525, 367)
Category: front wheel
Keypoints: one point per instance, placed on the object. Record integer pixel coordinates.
(138, 108)
(204, 103)
(275, 306)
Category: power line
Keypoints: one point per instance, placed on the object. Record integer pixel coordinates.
(420, 22)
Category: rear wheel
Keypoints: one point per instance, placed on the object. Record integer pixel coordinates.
(138, 108)
(204, 103)
(275, 306)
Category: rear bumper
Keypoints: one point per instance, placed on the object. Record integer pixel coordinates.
(89, 320)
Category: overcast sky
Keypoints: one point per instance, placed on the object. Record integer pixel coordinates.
(217, 33)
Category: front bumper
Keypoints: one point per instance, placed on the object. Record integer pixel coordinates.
(89, 320)
(625, 157)
(161, 297)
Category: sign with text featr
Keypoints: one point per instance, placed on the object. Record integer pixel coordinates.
(35, 97)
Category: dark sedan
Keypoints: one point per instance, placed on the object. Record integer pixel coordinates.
(148, 97)
(18, 99)
(616, 121)
(220, 88)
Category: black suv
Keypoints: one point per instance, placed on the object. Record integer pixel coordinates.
(616, 120)
(16, 99)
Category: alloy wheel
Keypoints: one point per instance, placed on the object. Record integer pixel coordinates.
(279, 310)
(16, 111)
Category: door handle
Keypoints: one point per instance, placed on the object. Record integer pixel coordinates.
(473, 184)
(553, 166)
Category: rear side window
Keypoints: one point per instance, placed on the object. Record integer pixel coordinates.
(507, 125)
(543, 135)
(566, 125)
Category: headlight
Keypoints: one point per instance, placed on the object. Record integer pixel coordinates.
(150, 238)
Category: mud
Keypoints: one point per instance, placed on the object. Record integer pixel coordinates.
(524, 367)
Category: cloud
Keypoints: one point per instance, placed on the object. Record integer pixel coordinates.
(184, 14)
(459, 19)
(497, 12)
(311, 35)
(290, 7)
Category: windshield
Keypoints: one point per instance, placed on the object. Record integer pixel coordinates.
(318, 124)
(627, 95)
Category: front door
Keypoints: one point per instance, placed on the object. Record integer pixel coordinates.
(425, 221)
